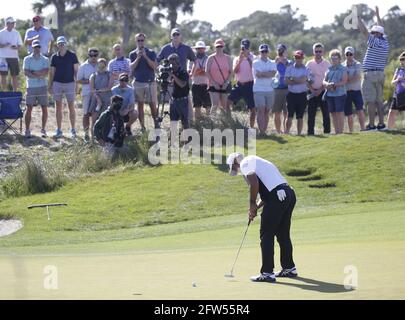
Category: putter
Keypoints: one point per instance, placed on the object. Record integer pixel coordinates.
(237, 255)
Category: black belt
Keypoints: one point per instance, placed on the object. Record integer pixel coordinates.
(182, 98)
(368, 70)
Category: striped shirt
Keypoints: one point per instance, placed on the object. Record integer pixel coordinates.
(377, 53)
(118, 66)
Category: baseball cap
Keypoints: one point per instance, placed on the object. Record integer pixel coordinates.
(36, 43)
(10, 20)
(175, 30)
(92, 50)
(245, 43)
(402, 56)
(123, 77)
(200, 45)
(219, 43)
(231, 160)
(264, 47)
(281, 46)
(378, 29)
(61, 39)
(349, 49)
(299, 54)
(36, 18)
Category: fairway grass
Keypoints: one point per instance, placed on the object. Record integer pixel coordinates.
(164, 267)
(150, 233)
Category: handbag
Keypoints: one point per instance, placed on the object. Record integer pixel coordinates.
(229, 87)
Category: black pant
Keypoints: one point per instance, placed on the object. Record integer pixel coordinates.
(276, 221)
(313, 105)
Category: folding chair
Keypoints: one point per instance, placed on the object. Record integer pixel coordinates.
(10, 111)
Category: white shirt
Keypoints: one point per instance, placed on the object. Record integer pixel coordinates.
(265, 171)
(263, 84)
(12, 37)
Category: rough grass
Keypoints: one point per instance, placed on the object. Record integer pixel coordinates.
(364, 168)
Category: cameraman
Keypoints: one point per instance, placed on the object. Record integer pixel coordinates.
(181, 89)
(109, 128)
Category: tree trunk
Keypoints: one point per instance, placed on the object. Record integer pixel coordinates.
(172, 16)
(61, 11)
(126, 31)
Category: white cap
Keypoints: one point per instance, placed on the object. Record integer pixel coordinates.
(10, 20)
(200, 45)
(378, 29)
(231, 160)
(349, 49)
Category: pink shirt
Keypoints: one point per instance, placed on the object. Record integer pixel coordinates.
(223, 63)
(318, 71)
(245, 73)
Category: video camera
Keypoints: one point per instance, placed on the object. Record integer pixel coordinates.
(164, 72)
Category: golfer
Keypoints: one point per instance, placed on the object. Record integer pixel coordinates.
(278, 201)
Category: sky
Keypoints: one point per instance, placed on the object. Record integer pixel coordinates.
(221, 12)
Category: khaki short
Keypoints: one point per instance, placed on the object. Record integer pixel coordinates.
(280, 100)
(145, 91)
(373, 86)
(37, 96)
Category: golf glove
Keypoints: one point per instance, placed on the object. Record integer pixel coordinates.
(281, 195)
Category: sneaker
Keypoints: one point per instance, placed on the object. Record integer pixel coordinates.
(370, 128)
(73, 133)
(287, 273)
(43, 133)
(264, 277)
(381, 127)
(27, 134)
(58, 134)
(86, 137)
(128, 131)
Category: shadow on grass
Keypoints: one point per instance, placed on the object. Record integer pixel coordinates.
(275, 138)
(316, 285)
(396, 132)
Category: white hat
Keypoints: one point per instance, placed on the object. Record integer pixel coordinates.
(378, 29)
(201, 45)
(10, 20)
(231, 160)
(349, 49)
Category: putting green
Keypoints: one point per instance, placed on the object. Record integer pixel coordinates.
(165, 267)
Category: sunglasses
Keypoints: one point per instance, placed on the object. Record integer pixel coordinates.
(141, 40)
(264, 51)
(318, 52)
(220, 47)
(176, 34)
(124, 80)
(403, 59)
(349, 54)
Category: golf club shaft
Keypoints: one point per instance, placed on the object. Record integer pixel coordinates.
(240, 247)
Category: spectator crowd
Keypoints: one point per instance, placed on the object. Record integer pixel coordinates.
(116, 91)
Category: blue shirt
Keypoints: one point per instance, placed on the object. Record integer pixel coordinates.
(64, 66)
(281, 69)
(293, 71)
(185, 53)
(32, 63)
(335, 75)
(118, 66)
(377, 53)
(45, 37)
(143, 72)
(128, 94)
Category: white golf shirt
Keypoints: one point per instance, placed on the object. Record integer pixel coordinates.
(10, 38)
(267, 172)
